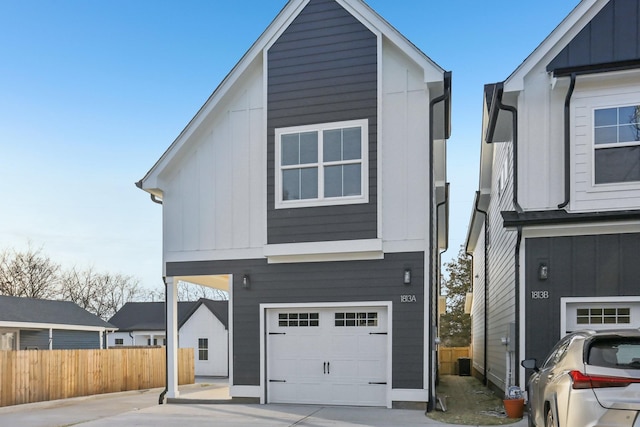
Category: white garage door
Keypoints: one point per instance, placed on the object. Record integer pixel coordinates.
(334, 356)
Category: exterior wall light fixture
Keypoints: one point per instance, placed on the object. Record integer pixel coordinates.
(406, 277)
(246, 281)
(543, 271)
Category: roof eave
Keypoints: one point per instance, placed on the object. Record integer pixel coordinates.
(582, 14)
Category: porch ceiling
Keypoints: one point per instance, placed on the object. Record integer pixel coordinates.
(217, 282)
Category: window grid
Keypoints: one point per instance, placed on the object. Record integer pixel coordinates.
(203, 349)
(322, 164)
(356, 319)
(603, 316)
(298, 319)
(616, 140)
(119, 341)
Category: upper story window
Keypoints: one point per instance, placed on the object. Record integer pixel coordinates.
(324, 164)
(617, 144)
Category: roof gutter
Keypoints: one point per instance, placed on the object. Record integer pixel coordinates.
(446, 97)
(496, 106)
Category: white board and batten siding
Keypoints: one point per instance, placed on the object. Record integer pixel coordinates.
(404, 148)
(214, 195)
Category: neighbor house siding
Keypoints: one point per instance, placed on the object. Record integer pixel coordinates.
(501, 292)
(34, 340)
(579, 266)
(323, 68)
(62, 339)
(347, 281)
(478, 309)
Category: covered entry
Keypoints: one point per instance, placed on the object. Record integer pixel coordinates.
(328, 355)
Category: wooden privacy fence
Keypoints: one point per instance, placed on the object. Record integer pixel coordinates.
(448, 358)
(39, 375)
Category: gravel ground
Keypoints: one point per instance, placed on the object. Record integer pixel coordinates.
(468, 402)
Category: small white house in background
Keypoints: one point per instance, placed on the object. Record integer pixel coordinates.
(202, 325)
(206, 330)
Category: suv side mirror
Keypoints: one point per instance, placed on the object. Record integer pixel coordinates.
(530, 364)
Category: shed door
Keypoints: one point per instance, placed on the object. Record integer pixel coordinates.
(334, 356)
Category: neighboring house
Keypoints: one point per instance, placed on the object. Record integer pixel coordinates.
(38, 324)
(205, 329)
(143, 323)
(555, 231)
(202, 325)
(314, 177)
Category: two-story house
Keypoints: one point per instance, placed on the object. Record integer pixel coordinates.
(555, 230)
(314, 177)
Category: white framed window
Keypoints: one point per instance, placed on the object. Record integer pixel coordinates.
(322, 164)
(616, 142)
(119, 341)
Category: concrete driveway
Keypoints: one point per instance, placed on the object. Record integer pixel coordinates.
(140, 408)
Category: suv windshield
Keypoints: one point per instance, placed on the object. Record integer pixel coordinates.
(615, 352)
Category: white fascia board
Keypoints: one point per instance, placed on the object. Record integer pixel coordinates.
(277, 26)
(573, 23)
(212, 255)
(28, 325)
(378, 25)
(581, 229)
(342, 250)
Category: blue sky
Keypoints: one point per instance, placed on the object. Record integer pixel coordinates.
(93, 92)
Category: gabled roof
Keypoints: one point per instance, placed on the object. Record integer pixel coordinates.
(150, 316)
(40, 312)
(147, 316)
(358, 8)
(219, 308)
(569, 28)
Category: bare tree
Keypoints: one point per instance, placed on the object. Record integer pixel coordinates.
(102, 294)
(192, 292)
(28, 274)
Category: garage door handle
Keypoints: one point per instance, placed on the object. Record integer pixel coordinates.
(374, 382)
(377, 333)
(328, 367)
(277, 381)
(324, 368)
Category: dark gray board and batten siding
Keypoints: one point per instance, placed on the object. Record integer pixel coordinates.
(578, 266)
(612, 37)
(322, 69)
(345, 281)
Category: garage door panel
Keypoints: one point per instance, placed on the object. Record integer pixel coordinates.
(340, 360)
